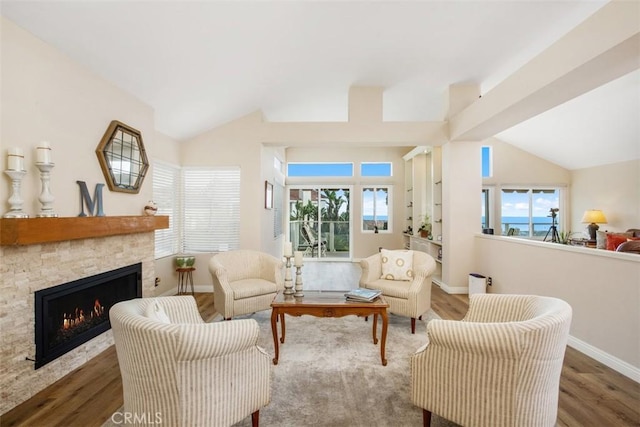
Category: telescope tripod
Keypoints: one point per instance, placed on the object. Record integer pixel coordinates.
(553, 230)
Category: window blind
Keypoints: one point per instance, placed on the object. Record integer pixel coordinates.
(211, 200)
(166, 190)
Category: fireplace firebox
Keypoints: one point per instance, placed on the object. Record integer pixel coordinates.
(71, 314)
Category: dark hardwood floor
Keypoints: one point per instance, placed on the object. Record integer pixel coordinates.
(590, 394)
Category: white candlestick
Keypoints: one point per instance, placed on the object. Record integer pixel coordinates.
(43, 152)
(15, 159)
(298, 259)
(288, 249)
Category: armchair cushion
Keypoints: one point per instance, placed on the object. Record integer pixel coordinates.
(247, 288)
(397, 265)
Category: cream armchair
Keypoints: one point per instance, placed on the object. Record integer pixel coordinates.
(410, 298)
(244, 281)
(178, 370)
(499, 366)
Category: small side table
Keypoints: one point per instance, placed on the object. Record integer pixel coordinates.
(185, 278)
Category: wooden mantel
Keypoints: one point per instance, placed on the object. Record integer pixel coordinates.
(32, 231)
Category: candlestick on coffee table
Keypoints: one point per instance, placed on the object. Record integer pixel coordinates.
(298, 293)
(288, 282)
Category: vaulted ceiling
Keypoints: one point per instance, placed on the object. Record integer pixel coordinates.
(201, 64)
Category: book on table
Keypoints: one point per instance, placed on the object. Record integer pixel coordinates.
(363, 295)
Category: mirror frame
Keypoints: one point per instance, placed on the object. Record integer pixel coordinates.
(103, 151)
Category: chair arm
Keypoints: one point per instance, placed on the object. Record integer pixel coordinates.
(181, 309)
(211, 340)
(496, 340)
(488, 308)
(371, 269)
(421, 272)
(271, 270)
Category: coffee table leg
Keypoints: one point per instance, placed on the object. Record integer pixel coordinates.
(375, 328)
(385, 322)
(274, 332)
(282, 325)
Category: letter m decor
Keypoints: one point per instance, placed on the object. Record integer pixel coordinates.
(85, 199)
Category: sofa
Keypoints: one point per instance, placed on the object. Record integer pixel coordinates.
(611, 240)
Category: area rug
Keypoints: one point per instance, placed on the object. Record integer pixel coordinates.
(330, 374)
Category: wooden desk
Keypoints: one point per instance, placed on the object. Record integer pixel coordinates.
(327, 306)
(185, 277)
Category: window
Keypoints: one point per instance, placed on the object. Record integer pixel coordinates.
(166, 186)
(486, 210)
(211, 200)
(487, 162)
(320, 169)
(375, 209)
(278, 202)
(526, 212)
(375, 169)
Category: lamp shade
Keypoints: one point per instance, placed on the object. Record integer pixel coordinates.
(594, 216)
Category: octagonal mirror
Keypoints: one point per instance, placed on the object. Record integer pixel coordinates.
(122, 158)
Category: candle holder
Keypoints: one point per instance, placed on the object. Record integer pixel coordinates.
(298, 293)
(46, 198)
(15, 201)
(288, 283)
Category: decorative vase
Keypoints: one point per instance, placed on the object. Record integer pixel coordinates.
(150, 208)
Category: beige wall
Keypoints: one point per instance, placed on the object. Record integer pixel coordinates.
(461, 189)
(46, 96)
(513, 166)
(615, 189)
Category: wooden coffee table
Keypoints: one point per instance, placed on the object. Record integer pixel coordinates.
(327, 305)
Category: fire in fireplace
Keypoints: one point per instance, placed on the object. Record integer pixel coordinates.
(71, 314)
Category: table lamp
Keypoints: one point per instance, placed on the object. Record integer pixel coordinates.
(593, 217)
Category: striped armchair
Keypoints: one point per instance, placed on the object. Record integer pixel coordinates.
(178, 370)
(409, 298)
(244, 281)
(499, 366)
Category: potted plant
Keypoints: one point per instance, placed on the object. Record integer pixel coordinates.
(425, 226)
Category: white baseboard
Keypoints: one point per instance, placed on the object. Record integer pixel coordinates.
(451, 289)
(606, 359)
(196, 288)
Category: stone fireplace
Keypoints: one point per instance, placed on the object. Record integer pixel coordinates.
(28, 267)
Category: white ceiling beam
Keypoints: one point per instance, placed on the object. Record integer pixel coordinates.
(603, 48)
(336, 134)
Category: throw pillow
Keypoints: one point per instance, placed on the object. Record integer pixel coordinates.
(156, 312)
(601, 239)
(615, 240)
(397, 265)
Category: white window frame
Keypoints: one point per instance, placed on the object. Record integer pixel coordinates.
(375, 188)
(562, 204)
(166, 195)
